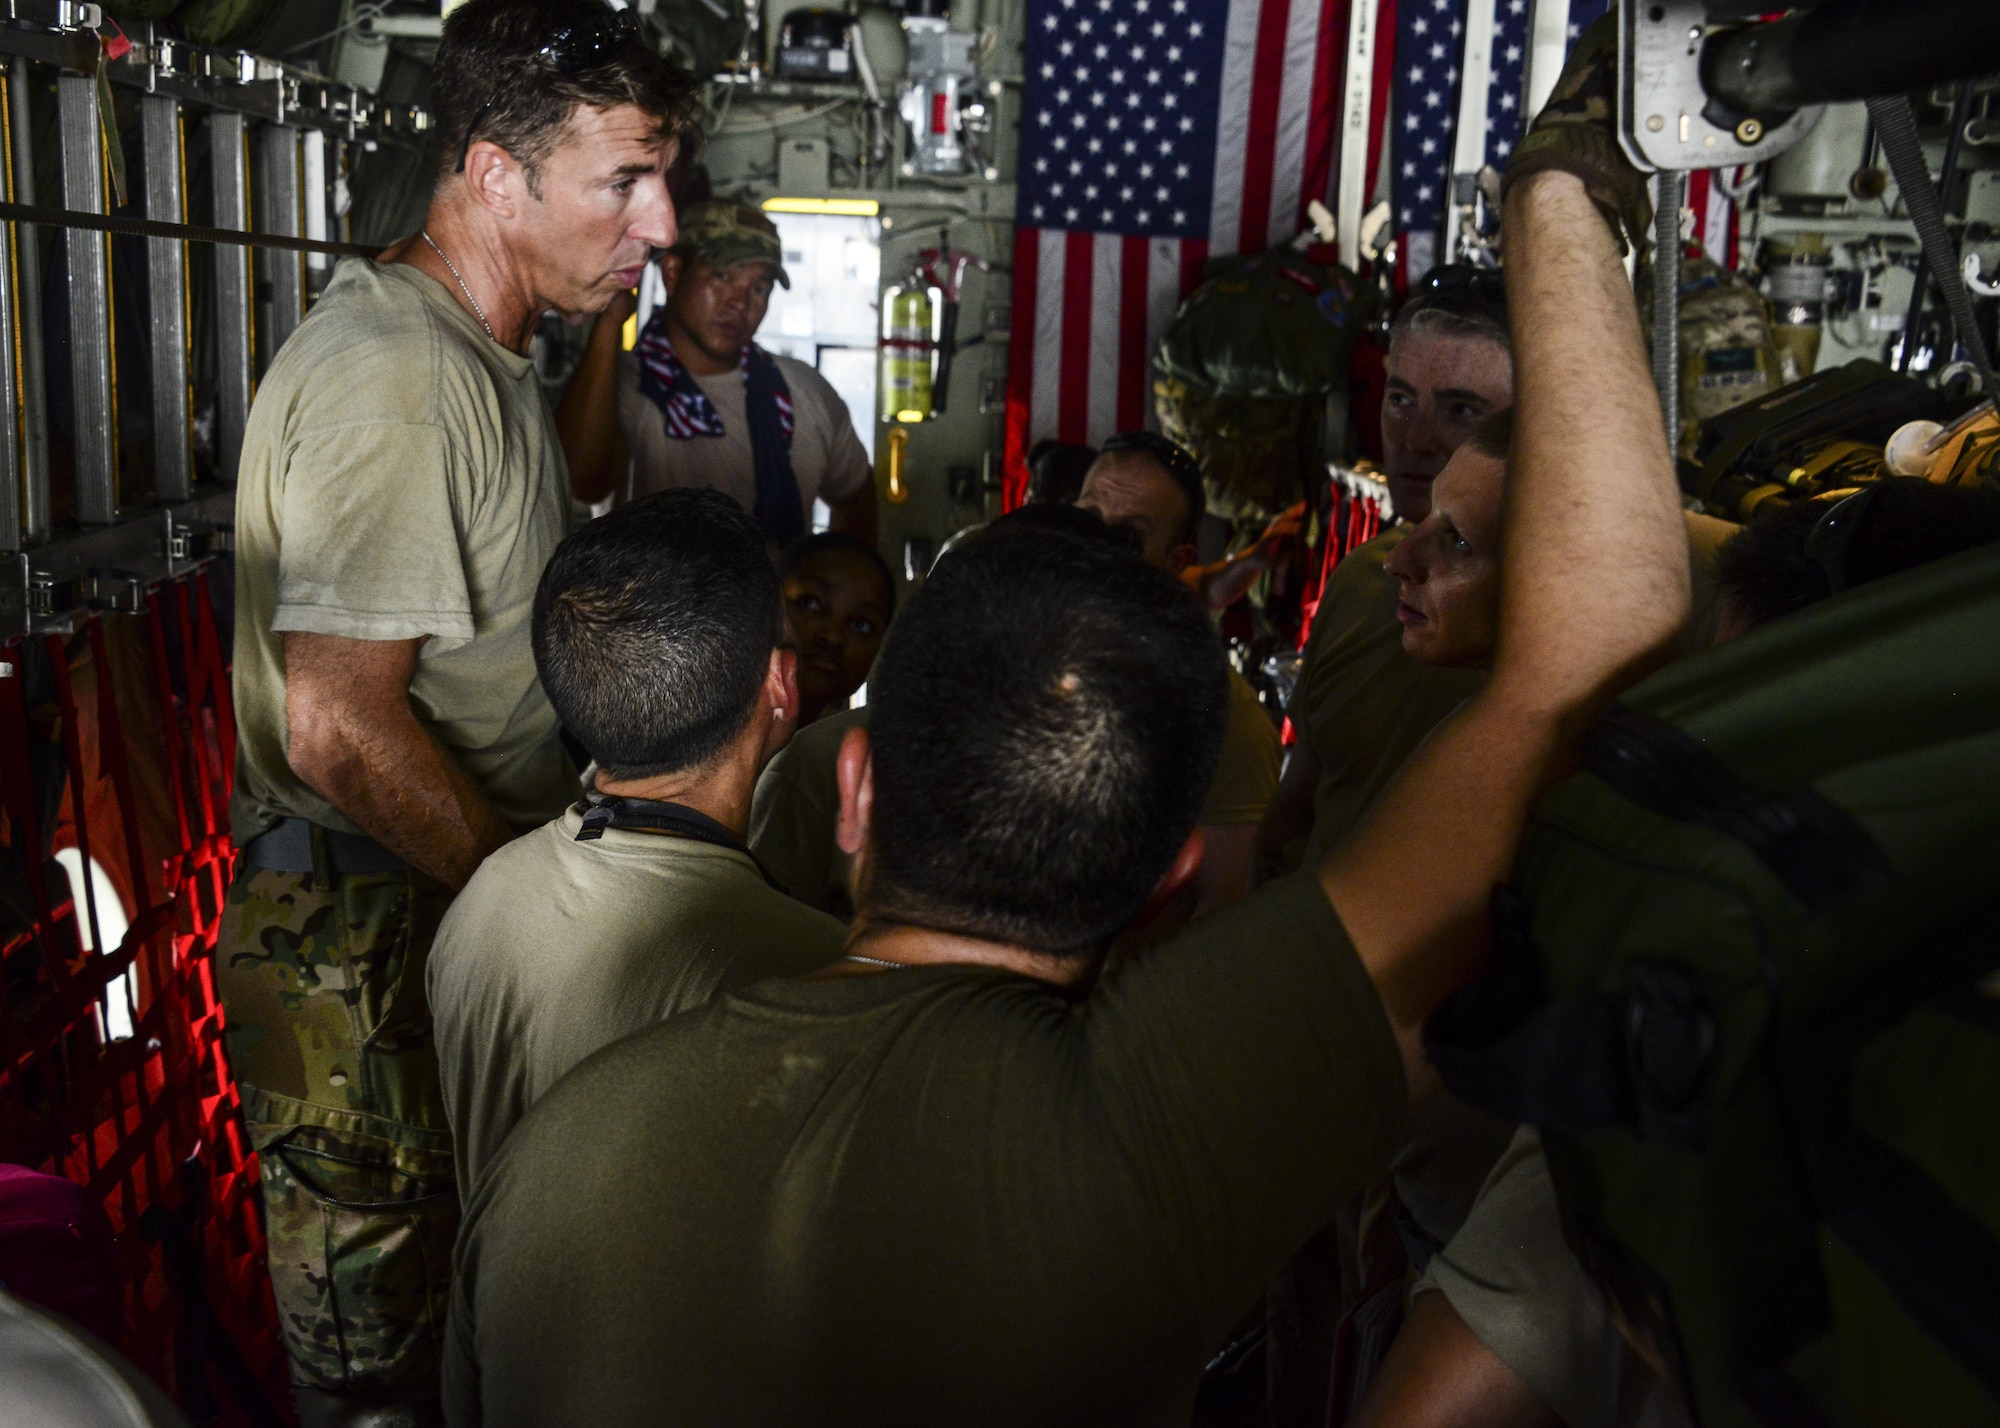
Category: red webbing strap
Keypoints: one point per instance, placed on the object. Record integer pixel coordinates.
(140, 938)
(17, 798)
(17, 795)
(191, 670)
(208, 679)
(1334, 546)
(216, 671)
(170, 727)
(114, 756)
(77, 989)
(58, 654)
(120, 1117)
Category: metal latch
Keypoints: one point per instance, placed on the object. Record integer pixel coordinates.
(189, 543)
(49, 594)
(119, 591)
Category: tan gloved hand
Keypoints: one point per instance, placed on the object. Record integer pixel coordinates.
(1577, 132)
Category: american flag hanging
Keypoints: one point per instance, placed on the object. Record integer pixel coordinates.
(1158, 133)
(1154, 134)
(1432, 40)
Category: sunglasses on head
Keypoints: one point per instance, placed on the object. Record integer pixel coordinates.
(1463, 277)
(576, 47)
(1169, 453)
(1462, 288)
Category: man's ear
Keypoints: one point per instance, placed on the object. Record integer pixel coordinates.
(670, 270)
(854, 771)
(1180, 558)
(782, 682)
(781, 696)
(1180, 874)
(494, 178)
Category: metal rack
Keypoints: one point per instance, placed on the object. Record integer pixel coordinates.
(278, 142)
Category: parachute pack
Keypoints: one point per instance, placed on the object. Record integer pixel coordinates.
(1245, 369)
(1747, 983)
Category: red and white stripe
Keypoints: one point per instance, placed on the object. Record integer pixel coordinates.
(1715, 217)
(1089, 309)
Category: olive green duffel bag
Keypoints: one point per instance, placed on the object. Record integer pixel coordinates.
(1746, 982)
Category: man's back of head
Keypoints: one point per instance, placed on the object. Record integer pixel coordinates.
(654, 627)
(1045, 717)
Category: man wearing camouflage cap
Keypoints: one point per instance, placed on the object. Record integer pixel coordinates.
(698, 403)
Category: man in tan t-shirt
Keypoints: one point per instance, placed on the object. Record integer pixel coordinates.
(399, 491)
(698, 403)
(659, 639)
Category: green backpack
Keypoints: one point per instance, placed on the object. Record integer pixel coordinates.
(1746, 983)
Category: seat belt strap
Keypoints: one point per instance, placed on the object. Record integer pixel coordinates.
(1816, 849)
(1356, 112)
(1940, 1263)
(1897, 128)
(1548, 48)
(1468, 147)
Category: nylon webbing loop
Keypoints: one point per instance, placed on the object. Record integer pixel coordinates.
(215, 675)
(1814, 848)
(1897, 128)
(117, 1115)
(17, 797)
(72, 744)
(113, 757)
(600, 813)
(1940, 1263)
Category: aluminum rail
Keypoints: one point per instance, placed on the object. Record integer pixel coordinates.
(87, 257)
(277, 138)
(167, 274)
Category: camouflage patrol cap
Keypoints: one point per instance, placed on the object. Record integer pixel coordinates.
(725, 233)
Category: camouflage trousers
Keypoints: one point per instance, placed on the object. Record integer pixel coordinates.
(329, 1033)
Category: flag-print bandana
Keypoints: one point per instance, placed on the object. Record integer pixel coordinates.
(685, 408)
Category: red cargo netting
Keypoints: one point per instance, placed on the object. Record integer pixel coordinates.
(117, 742)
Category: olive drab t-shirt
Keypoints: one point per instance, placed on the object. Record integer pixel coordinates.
(1362, 706)
(557, 947)
(933, 1195)
(793, 813)
(1246, 772)
(400, 478)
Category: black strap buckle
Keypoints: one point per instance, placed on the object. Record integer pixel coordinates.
(600, 812)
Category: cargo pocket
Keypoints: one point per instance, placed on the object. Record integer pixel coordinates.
(360, 1258)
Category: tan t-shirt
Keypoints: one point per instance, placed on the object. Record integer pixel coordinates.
(1512, 1277)
(557, 948)
(1246, 774)
(400, 478)
(827, 457)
